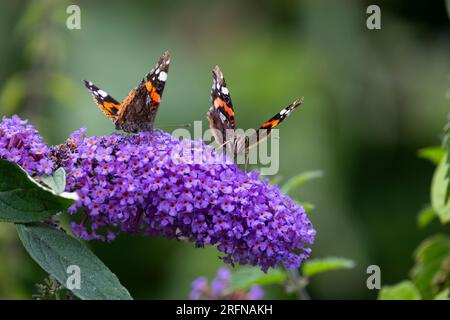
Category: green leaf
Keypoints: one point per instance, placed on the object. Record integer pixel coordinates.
(245, 278)
(315, 266)
(23, 200)
(439, 185)
(300, 179)
(402, 291)
(429, 257)
(443, 295)
(434, 154)
(55, 251)
(446, 146)
(425, 217)
(57, 181)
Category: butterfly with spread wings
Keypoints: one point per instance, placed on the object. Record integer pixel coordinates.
(138, 110)
(222, 121)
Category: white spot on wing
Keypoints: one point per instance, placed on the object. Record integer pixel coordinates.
(225, 90)
(284, 111)
(162, 76)
(102, 93)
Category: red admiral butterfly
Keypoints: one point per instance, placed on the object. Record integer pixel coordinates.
(222, 121)
(138, 110)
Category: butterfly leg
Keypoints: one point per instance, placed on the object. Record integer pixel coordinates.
(247, 147)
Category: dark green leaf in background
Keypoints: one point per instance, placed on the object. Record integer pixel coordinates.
(433, 154)
(402, 291)
(425, 217)
(55, 251)
(444, 295)
(439, 186)
(429, 257)
(446, 147)
(23, 200)
(300, 179)
(314, 266)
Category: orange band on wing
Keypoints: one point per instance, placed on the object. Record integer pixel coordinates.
(271, 124)
(105, 110)
(111, 106)
(129, 98)
(156, 98)
(220, 103)
(149, 86)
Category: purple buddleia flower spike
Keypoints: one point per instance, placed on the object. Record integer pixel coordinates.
(146, 183)
(21, 143)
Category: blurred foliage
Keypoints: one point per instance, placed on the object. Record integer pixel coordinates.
(431, 272)
(405, 290)
(372, 98)
(38, 81)
(439, 191)
(425, 217)
(430, 276)
(316, 266)
(434, 154)
(245, 277)
(299, 180)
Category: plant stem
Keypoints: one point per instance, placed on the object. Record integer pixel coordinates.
(299, 283)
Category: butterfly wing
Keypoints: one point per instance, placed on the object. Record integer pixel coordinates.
(280, 116)
(106, 103)
(221, 113)
(243, 142)
(155, 81)
(139, 108)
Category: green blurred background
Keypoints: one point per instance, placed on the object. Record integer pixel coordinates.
(372, 99)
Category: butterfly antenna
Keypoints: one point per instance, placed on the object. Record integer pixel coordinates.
(180, 125)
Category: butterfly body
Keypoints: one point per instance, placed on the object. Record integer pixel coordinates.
(222, 120)
(138, 110)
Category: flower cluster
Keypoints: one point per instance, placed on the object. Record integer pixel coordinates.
(21, 143)
(145, 183)
(217, 291)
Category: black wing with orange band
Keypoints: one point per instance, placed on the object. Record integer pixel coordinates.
(242, 143)
(221, 113)
(138, 110)
(155, 80)
(106, 103)
(280, 116)
(221, 117)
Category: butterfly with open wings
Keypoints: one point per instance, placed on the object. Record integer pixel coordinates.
(222, 121)
(138, 110)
